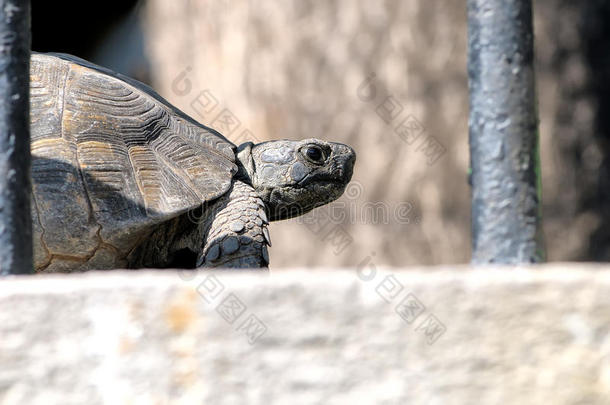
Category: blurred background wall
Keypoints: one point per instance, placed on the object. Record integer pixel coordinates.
(388, 78)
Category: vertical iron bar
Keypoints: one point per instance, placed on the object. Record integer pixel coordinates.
(506, 220)
(15, 215)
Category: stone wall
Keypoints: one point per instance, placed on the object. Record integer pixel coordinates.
(293, 69)
(297, 69)
(449, 335)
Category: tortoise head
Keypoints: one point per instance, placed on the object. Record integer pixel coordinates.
(294, 177)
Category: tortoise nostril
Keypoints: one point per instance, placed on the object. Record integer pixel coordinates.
(348, 167)
(351, 161)
(352, 154)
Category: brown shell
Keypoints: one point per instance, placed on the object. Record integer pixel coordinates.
(110, 160)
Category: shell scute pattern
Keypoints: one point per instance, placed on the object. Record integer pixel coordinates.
(123, 157)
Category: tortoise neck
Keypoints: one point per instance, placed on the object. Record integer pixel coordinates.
(245, 163)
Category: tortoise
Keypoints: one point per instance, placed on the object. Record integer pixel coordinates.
(123, 179)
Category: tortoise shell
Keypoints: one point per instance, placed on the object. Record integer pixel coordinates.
(111, 159)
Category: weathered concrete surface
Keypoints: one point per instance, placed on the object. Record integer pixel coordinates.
(510, 337)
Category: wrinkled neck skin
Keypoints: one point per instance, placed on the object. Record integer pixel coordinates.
(246, 172)
(245, 163)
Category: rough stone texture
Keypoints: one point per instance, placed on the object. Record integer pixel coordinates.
(294, 69)
(512, 336)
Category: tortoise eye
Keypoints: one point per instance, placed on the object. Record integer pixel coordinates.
(314, 153)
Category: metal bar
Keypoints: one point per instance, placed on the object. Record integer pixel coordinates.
(15, 215)
(506, 220)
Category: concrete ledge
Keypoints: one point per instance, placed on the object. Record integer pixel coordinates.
(450, 335)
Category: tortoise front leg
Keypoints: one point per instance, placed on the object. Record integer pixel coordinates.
(238, 235)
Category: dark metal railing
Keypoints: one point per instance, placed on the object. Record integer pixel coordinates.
(15, 188)
(506, 220)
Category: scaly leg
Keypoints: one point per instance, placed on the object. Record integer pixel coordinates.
(238, 235)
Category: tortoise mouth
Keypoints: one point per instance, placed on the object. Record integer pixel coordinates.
(340, 176)
(322, 181)
(298, 199)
